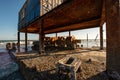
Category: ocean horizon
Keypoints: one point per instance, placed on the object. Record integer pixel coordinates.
(84, 42)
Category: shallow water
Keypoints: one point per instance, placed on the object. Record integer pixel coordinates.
(9, 68)
(22, 46)
(14, 76)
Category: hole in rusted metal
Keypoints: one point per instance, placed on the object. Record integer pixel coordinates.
(70, 60)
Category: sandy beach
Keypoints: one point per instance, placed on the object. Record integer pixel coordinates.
(44, 67)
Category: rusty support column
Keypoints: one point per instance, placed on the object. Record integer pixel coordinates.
(40, 47)
(41, 37)
(87, 40)
(26, 41)
(101, 24)
(56, 35)
(18, 44)
(101, 37)
(113, 34)
(69, 33)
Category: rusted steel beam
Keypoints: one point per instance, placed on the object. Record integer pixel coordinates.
(101, 24)
(26, 48)
(69, 13)
(56, 34)
(67, 27)
(103, 18)
(18, 44)
(113, 34)
(83, 25)
(41, 37)
(101, 37)
(69, 33)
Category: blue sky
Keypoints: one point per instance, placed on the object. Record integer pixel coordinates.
(9, 19)
(82, 34)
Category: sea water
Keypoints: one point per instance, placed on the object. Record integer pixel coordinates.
(91, 43)
(84, 43)
(8, 67)
(22, 45)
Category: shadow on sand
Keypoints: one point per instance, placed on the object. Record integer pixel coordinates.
(100, 76)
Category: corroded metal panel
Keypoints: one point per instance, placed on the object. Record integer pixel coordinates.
(32, 9)
(69, 65)
(72, 12)
(113, 35)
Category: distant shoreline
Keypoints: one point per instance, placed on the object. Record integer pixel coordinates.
(37, 40)
(84, 42)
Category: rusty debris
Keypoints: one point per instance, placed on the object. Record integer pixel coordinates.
(69, 66)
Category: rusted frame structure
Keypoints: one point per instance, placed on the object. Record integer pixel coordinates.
(26, 38)
(41, 37)
(113, 35)
(85, 19)
(89, 18)
(47, 5)
(65, 22)
(18, 44)
(101, 24)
